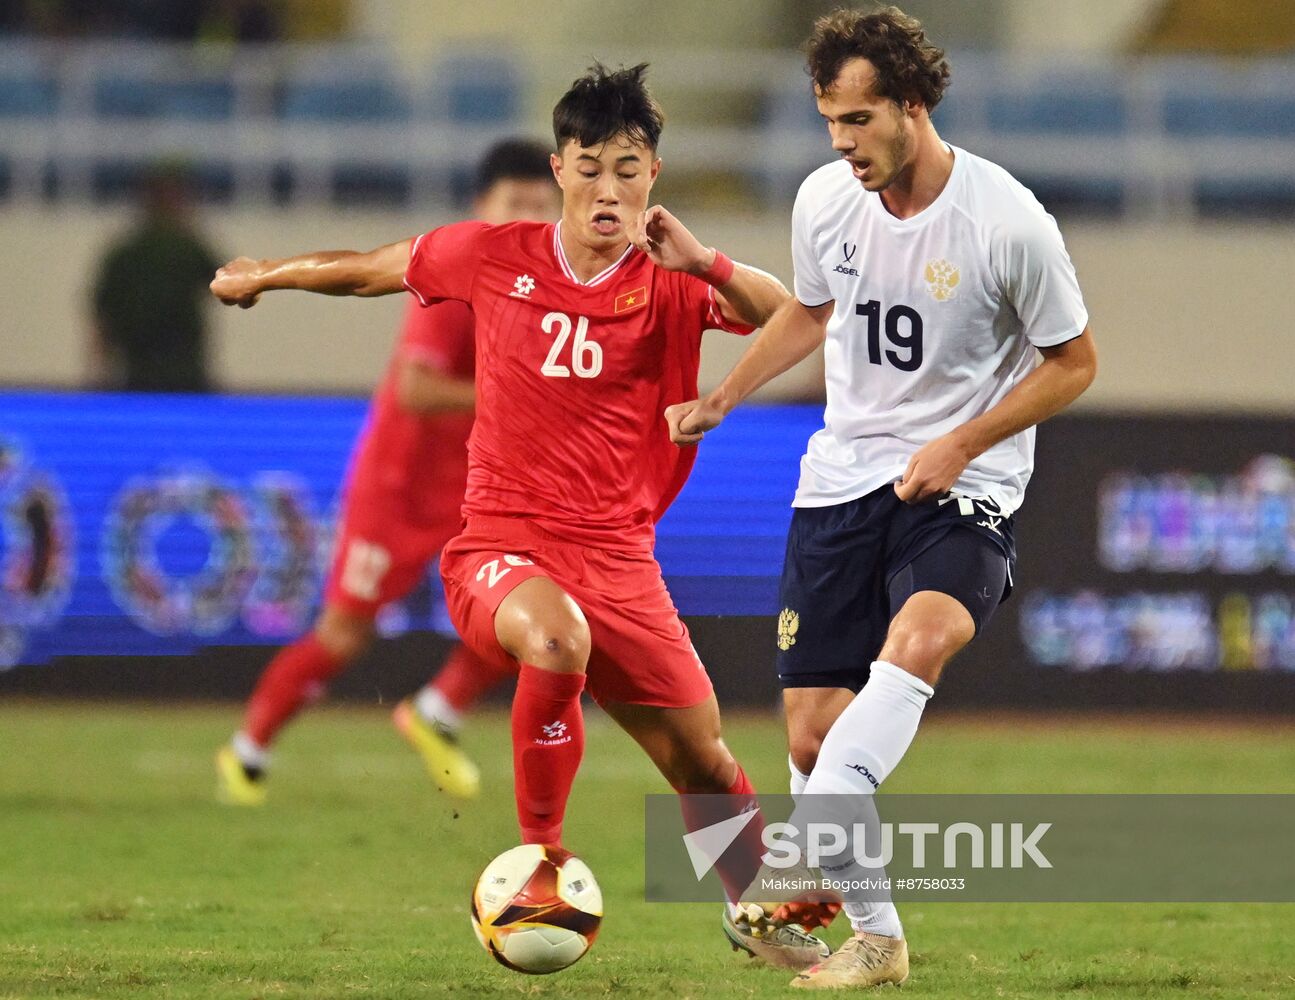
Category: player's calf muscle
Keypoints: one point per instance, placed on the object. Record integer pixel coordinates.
(695, 778)
(804, 741)
(805, 737)
(699, 766)
(810, 714)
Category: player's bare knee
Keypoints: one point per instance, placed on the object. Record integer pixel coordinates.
(345, 636)
(924, 651)
(562, 646)
(541, 625)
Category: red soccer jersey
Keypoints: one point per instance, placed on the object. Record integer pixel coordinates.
(419, 464)
(572, 379)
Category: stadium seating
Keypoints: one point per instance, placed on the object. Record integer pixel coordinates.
(117, 180)
(479, 89)
(335, 99)
(1058, 108)
(28, 88)
(183, 100)
(28, 97)
(1208, 100)
(1208, 114)
(347, 123)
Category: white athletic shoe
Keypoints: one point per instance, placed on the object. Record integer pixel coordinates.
(865, 960)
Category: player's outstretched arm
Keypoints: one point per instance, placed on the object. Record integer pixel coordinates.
(744, 294)
(328, 272)
(793, 333)
(1063, 375)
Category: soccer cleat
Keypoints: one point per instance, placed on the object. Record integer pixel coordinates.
(235, 784)
(813, 916)
(812, 909)
(448, 766)
(865, 960)
(786, 946)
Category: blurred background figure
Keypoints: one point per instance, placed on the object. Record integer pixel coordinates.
(149, 299)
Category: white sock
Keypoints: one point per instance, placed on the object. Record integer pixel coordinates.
(879, 917)
(249, 752)
(864, 745)
(799, 779)
(432, 706)
(871, 736)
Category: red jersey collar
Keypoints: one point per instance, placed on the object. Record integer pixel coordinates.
(567, 269)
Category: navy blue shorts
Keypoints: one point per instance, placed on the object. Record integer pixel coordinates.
(850, 567)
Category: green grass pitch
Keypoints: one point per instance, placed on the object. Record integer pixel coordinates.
(121, 877)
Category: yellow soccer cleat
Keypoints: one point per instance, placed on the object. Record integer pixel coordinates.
(234, 786)
(865, 960)
(448, 766)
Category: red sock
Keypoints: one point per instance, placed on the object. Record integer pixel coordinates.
(811, 916)
(548, 742)
(465, 677)
(294, 677)
(738, 865)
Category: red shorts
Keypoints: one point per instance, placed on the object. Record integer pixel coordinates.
(641, 652)
(381, 553)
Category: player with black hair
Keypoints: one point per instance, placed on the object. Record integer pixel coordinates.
(401, 506)
(513, 182)
(586, 331)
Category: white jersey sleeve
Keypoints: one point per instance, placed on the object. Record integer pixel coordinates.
(810, 282)
(1029, 260)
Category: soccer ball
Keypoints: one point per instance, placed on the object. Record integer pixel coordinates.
(536, 909)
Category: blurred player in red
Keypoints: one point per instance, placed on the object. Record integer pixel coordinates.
(402, 504)
(586, 331)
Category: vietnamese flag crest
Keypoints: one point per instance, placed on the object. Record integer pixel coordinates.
(629, 301)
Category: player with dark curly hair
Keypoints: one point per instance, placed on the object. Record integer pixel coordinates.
(936, 282)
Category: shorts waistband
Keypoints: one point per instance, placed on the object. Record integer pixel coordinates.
(511, 527)
(488, 524)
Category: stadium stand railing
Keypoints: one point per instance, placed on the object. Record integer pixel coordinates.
(345, 123)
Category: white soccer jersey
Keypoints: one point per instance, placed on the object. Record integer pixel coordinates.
(937, 317)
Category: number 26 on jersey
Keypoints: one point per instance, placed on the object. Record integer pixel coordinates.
(585, 355)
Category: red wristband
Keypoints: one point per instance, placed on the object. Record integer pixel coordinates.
(720, 272)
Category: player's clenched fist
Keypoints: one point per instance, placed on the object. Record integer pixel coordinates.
(668, 242)
(688, 422)
(237, 283)
(933, 469)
